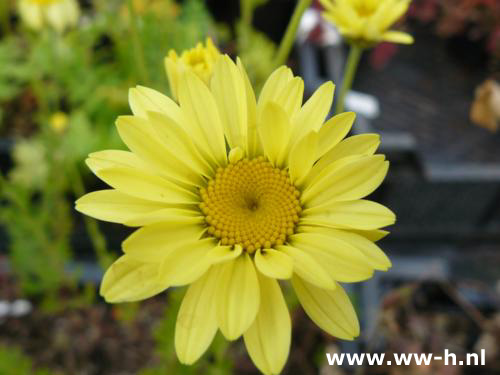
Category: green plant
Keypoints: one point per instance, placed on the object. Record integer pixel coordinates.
(14, 362)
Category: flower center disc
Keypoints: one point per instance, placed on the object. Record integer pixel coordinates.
(252, 204)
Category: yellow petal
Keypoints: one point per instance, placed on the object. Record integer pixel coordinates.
(307, 267)
(128, 280)
(221, 254)
(358, 214)
(319, 174)
(114, 158)
(342, 260)
(144, 185)
(229, 92)
(352, 181)
(182, 143)
(397, 37)
(236, 154)
(345, 16)
(355, 146)
(302, 157)
(134, 133)
(333, 131)
(164, 114)
(396, 9)
(268, 339)
(254, 145)
(327, 4)
(180, 216)
(363, 144)
(345, 12)
(273, 87)
(172, 69)
(373, 254)
(331, 310)
(114, 206)
(143, 100)
(238, 296)
(199, 107)
(274, 264)
(372, 235)
(154, 242)
(273, 130)
(312, 115)
(290, 99)
(196, 323)
(186, 264)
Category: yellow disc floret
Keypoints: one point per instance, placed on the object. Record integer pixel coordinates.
(252, 204)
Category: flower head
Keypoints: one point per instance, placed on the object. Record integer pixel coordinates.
(234, 194)
(367, 21)
(58, 14)
(200, 60)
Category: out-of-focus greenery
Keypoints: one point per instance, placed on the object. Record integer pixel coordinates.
(254, 48)
(14, 362)
(257, 52)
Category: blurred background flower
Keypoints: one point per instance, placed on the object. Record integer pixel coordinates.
(199, 60)
(59, 122)
(367, 22)
(58, 14)
(31, 169)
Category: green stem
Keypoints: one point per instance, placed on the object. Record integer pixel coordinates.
(33, 225)
(97, 238)
(246, 11)
(39, 89)
(350, 71)
(140, 59)
(289, 37)
(4, 17)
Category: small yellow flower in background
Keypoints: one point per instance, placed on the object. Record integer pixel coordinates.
(166, 9)
(284, 203)
(58, 14)
(59, 122)
(367, 21)
(200, 60)
(30, 164)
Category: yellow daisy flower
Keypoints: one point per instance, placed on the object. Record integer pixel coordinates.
(200, 60)
(58, 14)
(234, 194)
(367, 21)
